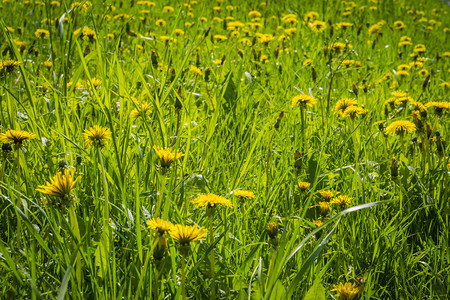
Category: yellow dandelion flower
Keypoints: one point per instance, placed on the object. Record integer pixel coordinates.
(303, 186)
(347, 291)
(159, 226)
(254, 14)
(400, 127)
(96, 136)
(343, 104)
(168, 9)
(310, 16)
(160, 23)
(375, 28)
(324, 207)
(342, 200)
(60, 186)
(439, 107)
(42, 33)
(196, 70)
(244, 194)
(303, 100)
(326, 195)
(317, 26)
(318, 223)
(167, 156)
(16, 137)
(7, 66)
(399, 25)
(184, 235)
(144, 109)
(354, 112)
(211, 200)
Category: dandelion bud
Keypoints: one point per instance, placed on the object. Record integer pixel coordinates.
(429, 130)
(241, 53)
(178, 104)
(6, 148)
(197, 61)
(426, 82)
(223, 59)
(280, 69)
(62, 164)
(207, 32)
(394, 168)
(280, 116)
(272, 229)
(207, 74)
(154, 58)
(313, 74)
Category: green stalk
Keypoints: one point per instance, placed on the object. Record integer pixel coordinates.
(18, 174)
(183, 277)
(76, 232)
(158, 209)
(211, 241)
(106, 227)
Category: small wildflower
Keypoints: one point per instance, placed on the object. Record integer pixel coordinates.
(60, 186)
(347, 291)
(326, 195)
(167, 156)
(303, 186)
(244, 194)
(16, 137)
(211, 200)
(400, 127)
(96, 136)
(324, 207)
(303, 100)
(342, 200)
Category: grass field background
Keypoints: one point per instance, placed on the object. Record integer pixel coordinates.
(293, 105)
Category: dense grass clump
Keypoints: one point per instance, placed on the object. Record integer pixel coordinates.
(224, 150)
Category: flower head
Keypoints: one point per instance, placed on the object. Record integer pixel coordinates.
(343, 104)
(303, 186)
(303, 100)
(272, 229)
(7, 66)
(326, 195)
(167, 156)
(211, 200)
(342, 200)
(159, 226)
(60, 186)
(96, 136)
(16, 137)
(318, 26)
(244, 194)
(400, 127)
(186, 234)
(196, 70)
(144, 109)
(354, 112)
(324, 207)
(346, 291)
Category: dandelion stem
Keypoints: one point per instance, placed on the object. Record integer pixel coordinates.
(18, 174)
(211, 241)
(76, 231)
(158, 209)
(183, 278)
(268, 160)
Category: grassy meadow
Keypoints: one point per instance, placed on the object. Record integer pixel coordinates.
(194, 149)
